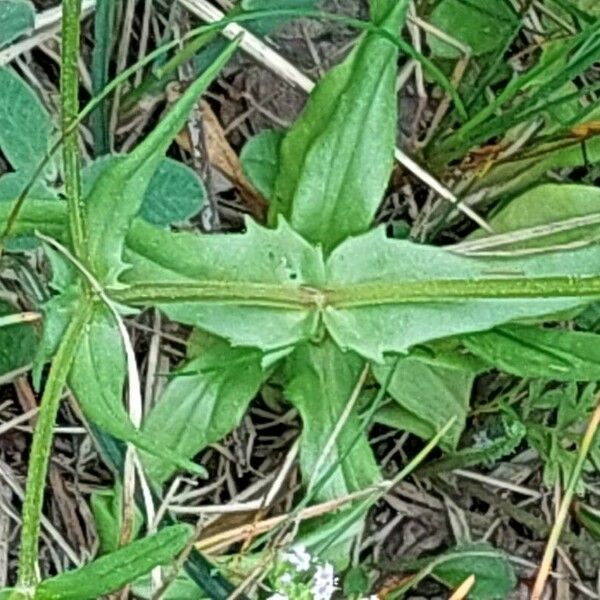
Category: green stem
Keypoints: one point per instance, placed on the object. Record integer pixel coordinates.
(41, 447)
(69, 83)
(249, 293)
(439, 290)
(361, 294)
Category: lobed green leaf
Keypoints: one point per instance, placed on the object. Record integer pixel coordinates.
(394, 294)
(247, 288)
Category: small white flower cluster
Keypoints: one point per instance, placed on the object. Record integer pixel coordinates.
(299, 558)
(324, 582)
(297, 564)
(298, 576)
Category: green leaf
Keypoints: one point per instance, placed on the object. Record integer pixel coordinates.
(49, 218)
(534, 352)
(107, 507)
(12, 184)
(266, 260)
(17, 17)
(58, 312)
(118, 193)
(323, 187)
(483, 27)
(25, 126)
(589, 518)
(97, 378)
(494, 575)
(427, 397)
(11, 187)
(260, 161)
(514, 176)
(321, 380)
(394, 294)
(17, 342)
(111, 572)
(549, 204)
(589, 6)
(332, 536)
(175, 193)
(203, 402)
(182, 588)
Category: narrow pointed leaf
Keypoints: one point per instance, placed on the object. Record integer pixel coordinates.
(203, 403)
(535, 352)
(97, 379)
(118, 192)
(49, 218)
(113, 571)
(323, 187)
(321, 382)
(548, 204)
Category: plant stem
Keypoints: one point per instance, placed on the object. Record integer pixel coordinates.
(69, 84)
(41, 447)
(361, 294)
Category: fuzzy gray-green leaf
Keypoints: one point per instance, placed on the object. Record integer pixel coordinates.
(25, 125)
(17, 17)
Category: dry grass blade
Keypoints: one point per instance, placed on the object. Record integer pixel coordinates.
(462, 591)
(563, 511)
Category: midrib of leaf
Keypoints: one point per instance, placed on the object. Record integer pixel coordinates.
(245, 293)
(361, 294)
